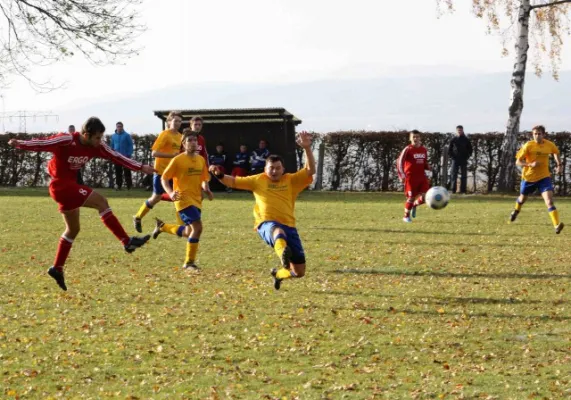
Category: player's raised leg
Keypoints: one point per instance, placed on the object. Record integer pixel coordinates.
(97, 201)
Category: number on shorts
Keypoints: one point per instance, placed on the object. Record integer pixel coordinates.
(83, 192)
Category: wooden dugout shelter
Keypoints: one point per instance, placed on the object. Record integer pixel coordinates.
(233, 127)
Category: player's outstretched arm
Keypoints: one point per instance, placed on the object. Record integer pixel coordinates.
(173, 194)
(226, 180)
(304, 140)
(47, 144)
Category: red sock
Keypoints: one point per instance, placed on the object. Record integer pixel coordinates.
(407, 207)
(63, 249)
(419, 201)
(165, 197)
(112, 223)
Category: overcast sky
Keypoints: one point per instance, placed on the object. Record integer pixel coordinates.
(191, 41)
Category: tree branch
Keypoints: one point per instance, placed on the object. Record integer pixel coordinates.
(554, 3)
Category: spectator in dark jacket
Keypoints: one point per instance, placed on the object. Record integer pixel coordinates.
(258, 158)
(219, 158)
(240, 163)
(459, 151)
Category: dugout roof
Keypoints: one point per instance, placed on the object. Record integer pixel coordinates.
(236, 126)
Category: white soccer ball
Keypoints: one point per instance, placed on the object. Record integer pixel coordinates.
(437, 197)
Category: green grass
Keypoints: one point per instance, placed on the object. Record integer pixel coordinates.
(458, 304)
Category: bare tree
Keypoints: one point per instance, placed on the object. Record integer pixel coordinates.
(543, 23)
(42, 32)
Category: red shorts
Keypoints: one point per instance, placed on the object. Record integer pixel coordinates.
(415, 186)
(69, 195)
(239, 171)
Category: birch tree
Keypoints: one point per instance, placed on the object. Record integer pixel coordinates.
(43, 32)
(539, 24)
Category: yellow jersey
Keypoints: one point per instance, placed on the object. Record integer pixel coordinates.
(167, 142)
(533, 151)
(187, 173)
(275, 201)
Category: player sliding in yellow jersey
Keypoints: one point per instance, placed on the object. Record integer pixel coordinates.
(534, 158)
(275, 193)
(189, 176)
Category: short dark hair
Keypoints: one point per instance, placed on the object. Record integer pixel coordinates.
(274, 158)
(119, 123)
(414, 132)
(220, 144)
(460, 127)
(539, 128)
(196, 118)
(173, 114)
(187, 133)
(92, 126)
(71, 126)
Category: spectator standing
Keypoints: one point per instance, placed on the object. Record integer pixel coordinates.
(122, 143)
(459, 151)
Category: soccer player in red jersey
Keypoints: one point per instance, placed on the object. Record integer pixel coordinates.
(411, 165)
(70, 153)
(196, 124)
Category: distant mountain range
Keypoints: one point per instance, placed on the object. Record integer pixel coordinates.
(430, 102)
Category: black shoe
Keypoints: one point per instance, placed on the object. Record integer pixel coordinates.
(138, 224)
(514, 214)
(559, 228)
(191, 267)
(58, 276)
(135, 242)
(277, 282)
(286, 256)
(158, 225)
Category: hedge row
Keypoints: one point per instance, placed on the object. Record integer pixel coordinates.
(353, 160)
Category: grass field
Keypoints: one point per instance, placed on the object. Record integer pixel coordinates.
(458, 304)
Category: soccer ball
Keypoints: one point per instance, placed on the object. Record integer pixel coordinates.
(437, 197)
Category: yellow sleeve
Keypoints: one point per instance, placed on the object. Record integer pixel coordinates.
(171, 170)
(555, 149)
(300, 180)
(522, 152)
(159, 142)
(246, 182)
(205, 176)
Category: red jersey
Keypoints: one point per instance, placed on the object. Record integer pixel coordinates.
(70, 155)
(202, 148)
(412, 162)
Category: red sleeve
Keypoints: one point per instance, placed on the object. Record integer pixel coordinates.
(203, 151)
(120, 159)
(45, 144)
(400, 163)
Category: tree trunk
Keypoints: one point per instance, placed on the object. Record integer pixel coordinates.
(506, 182)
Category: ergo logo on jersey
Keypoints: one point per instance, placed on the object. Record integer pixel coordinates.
(77, 160)
(419, 155)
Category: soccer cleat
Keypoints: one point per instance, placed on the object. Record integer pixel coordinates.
(559, 228)
(135, 242)
(191, 266)
(286, 256)
(406, 219)
(514, 214)
(277, 281)
(158, 225)
(413, 212)
(58, 276)
(138, 224)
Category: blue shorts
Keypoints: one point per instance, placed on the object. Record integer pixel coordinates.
(266, 229)
(543, 185)
(157, 185)
(189, 215)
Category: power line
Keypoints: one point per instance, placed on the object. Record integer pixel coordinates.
(24, 115)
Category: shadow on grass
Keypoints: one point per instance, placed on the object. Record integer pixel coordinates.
(407, 232)
(435, 274)
(442, 300)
